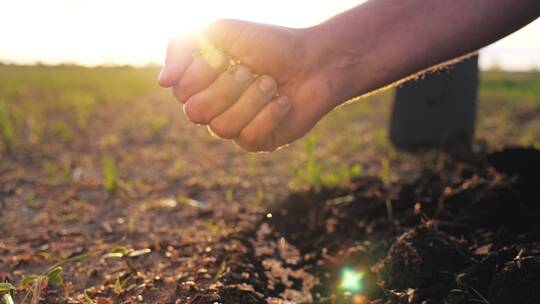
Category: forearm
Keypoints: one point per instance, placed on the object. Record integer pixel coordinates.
(383, 41)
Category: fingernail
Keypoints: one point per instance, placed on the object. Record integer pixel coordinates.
(283, 101)
(266, 85)
(242, 74)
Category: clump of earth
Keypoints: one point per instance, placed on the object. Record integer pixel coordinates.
(466, 234)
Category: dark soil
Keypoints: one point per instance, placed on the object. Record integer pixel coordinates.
(466, 234)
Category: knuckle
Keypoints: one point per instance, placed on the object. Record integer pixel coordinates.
(248, 147)
(223, 129)
(179, 94)
(195, 113)
(251, 140)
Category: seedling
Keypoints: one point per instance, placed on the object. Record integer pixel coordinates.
(313, 170)
(53, 275)
(386, 172)
(389, 210)
(36, 283)
(6, 289)
(125, 254)
(119, 284)
(110, 173)
(221, 271)
(87, 299)
(159, 124)
(229, 196)
(313, 175)
(260, 196)
(6, 127)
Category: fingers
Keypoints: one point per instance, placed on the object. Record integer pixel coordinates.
(179, 56)
(229, 123)
(202, 72)
(258, 134)
(204, 106)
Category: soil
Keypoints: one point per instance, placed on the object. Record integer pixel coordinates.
(468, 233)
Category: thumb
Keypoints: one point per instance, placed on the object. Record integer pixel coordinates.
(221, 34)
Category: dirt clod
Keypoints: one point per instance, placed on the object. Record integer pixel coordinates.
(422, 257)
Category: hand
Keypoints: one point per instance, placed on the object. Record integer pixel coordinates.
(234, 102)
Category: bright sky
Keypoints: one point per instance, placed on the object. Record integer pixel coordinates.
(136, 32)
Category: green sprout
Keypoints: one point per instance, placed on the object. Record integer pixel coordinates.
(6, 127)
(53, 275)
(312, 173)
(87, 299)
(110, 173)
(6, 289)
(34, 283)
(229, 196)
(125, 254)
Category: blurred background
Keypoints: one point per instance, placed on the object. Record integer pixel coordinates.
(136, 32)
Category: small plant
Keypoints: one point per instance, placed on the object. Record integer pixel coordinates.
(87, 299)
(312, 170)
(159, 124)
(313, 175)
(260, 196)
(6, 127)
(229, 196)
(36, 283)
(120, 283)
(110, 173)
(386, 172)
(6, 289)
(389, 210)
(52, 275)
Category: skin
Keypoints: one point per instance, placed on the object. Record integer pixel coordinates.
(316, 69)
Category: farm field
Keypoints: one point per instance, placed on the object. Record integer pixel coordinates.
(108, 195)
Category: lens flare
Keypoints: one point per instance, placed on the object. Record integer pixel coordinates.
(351, 281)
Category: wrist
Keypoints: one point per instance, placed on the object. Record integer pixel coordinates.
(343, 61)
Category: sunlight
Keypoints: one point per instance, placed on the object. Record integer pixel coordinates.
(351, 281)
(131, 32)
(136, 32)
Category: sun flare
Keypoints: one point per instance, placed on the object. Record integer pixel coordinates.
(136, 32)
(351, 280)
(131, 32)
